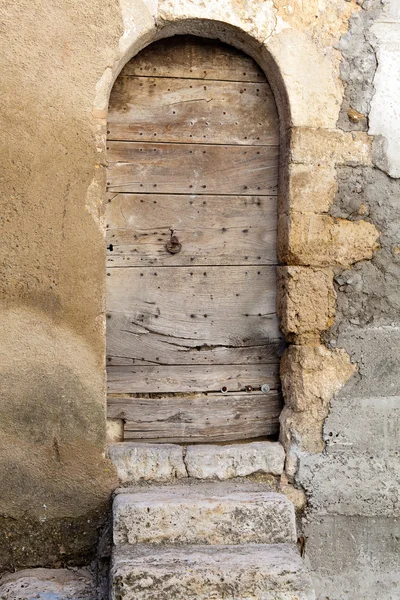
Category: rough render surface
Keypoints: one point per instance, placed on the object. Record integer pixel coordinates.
(217, 513)
(48, 584)
(272, 572)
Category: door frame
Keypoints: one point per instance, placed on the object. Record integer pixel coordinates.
(310, 242)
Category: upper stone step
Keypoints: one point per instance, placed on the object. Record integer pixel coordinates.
(259, 572)
(217, 513)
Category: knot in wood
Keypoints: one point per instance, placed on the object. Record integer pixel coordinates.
(173, 245)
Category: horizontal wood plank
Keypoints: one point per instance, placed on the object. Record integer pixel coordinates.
(192, 111)
(223, 306)
(192, 169)
(211, 230)
(127, 348)
(190, 56)
(193, 378)
(202, 418)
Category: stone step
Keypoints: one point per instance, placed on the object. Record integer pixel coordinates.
(256, 571)
(217, 513)
(136, 462)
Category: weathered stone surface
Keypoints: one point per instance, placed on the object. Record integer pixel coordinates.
(370, 425)
(330, 146)
(306, 301)
(48, 584)
(364, 484)
(147, 462)
(260, 572)
(310, 376)
(323, 241)
(218, 513)
(234, 460)
(115, 430)
(354, 558)
(307, 188)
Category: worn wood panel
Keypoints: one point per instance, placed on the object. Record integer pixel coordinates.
(192, 168)
(198, 418)
(194, 378)
(193, 154)
(210, 229)
(189, 56)
(142, 349)
(136, 343)
(230, 306)
(193, 111)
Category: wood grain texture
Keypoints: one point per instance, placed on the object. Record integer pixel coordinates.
(230, 306)
(193, 155)
(211, 230)
(192, 169)
(192, 111)
(194, 378)
(190, 56)
(198, 418)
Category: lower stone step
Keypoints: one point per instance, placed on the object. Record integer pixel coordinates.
(218, 513)
(254, 571)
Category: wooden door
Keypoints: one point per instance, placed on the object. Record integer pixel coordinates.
(193, 343)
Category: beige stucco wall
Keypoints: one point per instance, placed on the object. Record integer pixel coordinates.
(59, 61)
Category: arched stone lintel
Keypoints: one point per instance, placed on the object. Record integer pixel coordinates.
(307, 92)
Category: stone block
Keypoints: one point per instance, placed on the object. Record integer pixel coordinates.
(234, 460)
(310, 376)
(48, 584)
(370, 425)
(260, 572)
(323, 241)
(354, 558)
(307, 188)
(330, 146)
(350, 483)
(218, 513)
(300, 432)
(147, 462)
(306, 301)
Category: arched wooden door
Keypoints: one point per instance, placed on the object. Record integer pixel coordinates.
(193, 342)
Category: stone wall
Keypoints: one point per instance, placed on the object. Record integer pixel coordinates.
(352, 525)
(338, 299)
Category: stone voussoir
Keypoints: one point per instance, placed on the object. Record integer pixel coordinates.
(209, 461)
(147, 462)
(217, 513)
(260, 572)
